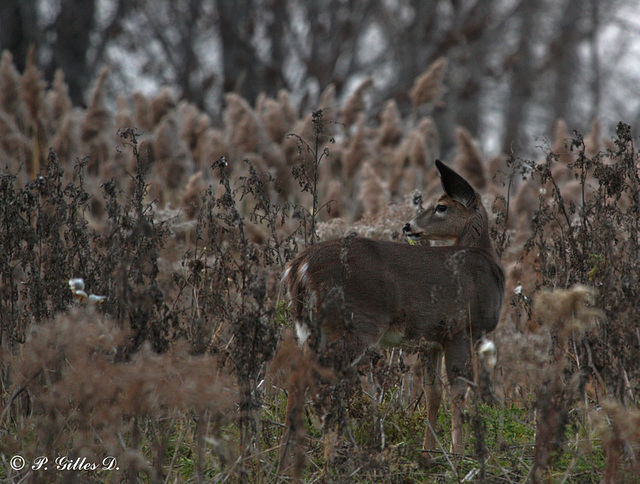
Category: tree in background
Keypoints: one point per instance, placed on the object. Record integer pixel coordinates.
(514, 67)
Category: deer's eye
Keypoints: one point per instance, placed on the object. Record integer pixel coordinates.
(441, 208)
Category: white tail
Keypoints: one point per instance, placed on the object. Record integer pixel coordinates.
(353, 293)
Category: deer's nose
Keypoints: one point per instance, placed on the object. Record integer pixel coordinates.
(406, 228)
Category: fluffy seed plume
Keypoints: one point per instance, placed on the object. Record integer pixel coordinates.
(161, 105)
(58, 98)
(567, 309)
(428, 87)
(374, 193)
(33, 88)
(354, 105)
(390, 132)
(9, 84)
(469, 159)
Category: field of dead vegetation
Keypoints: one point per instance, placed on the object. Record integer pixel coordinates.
(182, 225)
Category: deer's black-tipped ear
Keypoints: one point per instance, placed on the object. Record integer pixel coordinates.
(455, 186)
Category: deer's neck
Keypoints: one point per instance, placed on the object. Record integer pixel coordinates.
(476, 232)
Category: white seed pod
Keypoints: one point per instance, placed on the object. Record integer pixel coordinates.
(77, 288)
(76, 284)
(488, 353)
(93, 299)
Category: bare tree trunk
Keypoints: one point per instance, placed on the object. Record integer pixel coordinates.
(73, 29)
(475, 30)
(521, 80)
(18, 29)
(244, 72)
(335, 26)
(470, 43)
(413, 46)
(278, 31)
(594, 58)
(188, 57)
(565, 63)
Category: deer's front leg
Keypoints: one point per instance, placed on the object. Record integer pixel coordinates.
(431, 371)
(457, 353)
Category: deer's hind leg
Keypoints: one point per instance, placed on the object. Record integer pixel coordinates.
(292, 442)
(319, 371)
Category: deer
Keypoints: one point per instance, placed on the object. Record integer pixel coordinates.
(390, 293)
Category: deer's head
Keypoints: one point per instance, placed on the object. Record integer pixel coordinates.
(457, 216)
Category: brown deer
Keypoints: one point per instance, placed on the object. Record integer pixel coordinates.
(387, 293)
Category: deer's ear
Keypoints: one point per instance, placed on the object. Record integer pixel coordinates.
(455, 186)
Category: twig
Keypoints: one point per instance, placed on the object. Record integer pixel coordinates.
(15, 394)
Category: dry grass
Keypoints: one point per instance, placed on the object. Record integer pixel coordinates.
(185, 227)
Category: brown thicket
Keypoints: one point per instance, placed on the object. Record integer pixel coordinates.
(185, 223)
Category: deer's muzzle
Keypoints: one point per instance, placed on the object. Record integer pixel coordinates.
(409, 232)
